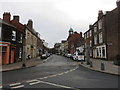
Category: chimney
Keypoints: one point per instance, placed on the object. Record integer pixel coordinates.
(30, 24)
(6, 17)
(16, 17)
(100, 14)
(118, 3)
(80, 34)
(90, 26)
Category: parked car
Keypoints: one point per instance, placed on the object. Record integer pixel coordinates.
(74, 57)
(43, 56)
(78, 56)
(48, 54)
(69, 55)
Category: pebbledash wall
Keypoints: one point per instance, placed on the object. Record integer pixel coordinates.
(31, 43)
(105, 35)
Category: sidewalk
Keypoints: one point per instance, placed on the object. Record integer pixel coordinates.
(18, 65)
(109, 67)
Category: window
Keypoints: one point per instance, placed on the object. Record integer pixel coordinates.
(21, 38)
(85, 36)
(100, 24)
(20, 53)
(100, 37)
(95, 39)
(90, 43)
(4, 49)
(90, 33)
(99, 52)
(13, 35)
(103, 51)
(95, 28)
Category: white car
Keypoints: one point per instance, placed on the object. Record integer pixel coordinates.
(69, 55)
(74, 57)
(78, 57)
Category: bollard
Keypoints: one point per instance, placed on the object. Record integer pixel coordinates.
(88, 63)
(81, 61)
(91, 64)
(102, 66)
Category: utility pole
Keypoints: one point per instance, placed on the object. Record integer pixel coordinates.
(24, 53)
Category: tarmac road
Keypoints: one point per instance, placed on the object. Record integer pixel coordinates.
(58, 72)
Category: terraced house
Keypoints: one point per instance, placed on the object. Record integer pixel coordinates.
(12, 39)
(31, 40)
(103, 37)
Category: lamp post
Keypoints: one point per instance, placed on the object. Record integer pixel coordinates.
(24, 53)
(88, 54)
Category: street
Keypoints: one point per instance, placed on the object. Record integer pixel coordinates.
(58, 72)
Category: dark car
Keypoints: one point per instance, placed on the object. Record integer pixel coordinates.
(43, 56)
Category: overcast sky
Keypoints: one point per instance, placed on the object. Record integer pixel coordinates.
(53, 18)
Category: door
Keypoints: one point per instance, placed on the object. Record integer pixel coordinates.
(12, 58)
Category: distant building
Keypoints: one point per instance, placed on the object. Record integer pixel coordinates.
(74, 40)
(64, 46)
(40, 45)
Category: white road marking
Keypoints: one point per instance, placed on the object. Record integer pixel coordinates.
(60, 74)
(57, 85)
(35, 83)
(14, 84)
(17, 87)
(34, 80)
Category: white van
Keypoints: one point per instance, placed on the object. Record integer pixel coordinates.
(79, 54)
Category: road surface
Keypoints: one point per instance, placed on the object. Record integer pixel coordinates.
(61, 73)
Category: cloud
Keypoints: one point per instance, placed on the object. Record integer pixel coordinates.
(52, 18)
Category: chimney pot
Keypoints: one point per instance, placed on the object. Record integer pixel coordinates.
(100, 14)
(16, 17)
(6, 17)
(81, 34)
(30, 24)
(118, 3)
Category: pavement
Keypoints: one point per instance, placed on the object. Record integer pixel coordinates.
(108, 66)
(103, 66)
(29, 63)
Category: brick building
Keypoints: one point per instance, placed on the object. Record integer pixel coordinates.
(74, 40)
(12, 39)
(88, 35)
(103, 37)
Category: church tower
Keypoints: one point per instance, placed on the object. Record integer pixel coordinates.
(70, 31)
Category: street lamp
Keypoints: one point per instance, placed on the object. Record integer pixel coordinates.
(88, 54)
(24, 56)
